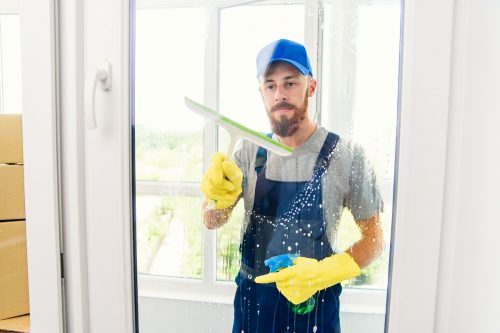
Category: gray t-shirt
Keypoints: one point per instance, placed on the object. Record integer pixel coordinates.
(349, 181)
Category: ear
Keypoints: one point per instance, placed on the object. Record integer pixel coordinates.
(312, 87)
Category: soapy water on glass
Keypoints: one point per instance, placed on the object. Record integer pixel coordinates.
(302, 200)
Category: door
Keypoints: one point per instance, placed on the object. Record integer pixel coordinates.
(147, 263)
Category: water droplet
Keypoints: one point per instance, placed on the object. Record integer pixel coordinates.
(289, 248)
(258, 245)
(315, 328)
(249, 276)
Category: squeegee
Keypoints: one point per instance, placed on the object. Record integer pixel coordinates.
(238, 131)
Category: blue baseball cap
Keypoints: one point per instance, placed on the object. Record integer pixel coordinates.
(283, 50)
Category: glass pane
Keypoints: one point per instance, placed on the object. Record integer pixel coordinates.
(168, 141)
(165, 225)
(207, 51)
(228, 245)
(10, 64)
(244, 29)
(168, 137)
(372, 54)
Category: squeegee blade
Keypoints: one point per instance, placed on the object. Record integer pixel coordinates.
(238, 130)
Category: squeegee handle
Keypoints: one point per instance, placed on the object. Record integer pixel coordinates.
(231, 146)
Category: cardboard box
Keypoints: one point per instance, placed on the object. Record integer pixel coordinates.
(16, 324)
(11, 138)
(14, 300)
(11, 192)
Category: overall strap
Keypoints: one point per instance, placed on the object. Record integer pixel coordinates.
(322, 162)
(325, 155)
(315, 185)
(261, 156)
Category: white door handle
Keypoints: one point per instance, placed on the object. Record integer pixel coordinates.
(103, 79)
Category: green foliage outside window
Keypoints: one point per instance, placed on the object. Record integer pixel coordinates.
(158, 158)
(168, 156)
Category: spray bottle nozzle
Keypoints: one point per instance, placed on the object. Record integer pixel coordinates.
(280, 261)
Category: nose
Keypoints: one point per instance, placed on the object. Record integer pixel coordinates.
(280, 93)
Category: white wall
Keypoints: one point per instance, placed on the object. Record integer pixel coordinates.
(468, 290)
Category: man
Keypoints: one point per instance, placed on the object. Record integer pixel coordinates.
(293, 205)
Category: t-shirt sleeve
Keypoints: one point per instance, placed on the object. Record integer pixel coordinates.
(363, 199)
(237, 157)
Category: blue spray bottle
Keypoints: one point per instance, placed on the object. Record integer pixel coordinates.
(281, 261)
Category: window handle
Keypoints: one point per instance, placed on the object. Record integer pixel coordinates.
(102, 78)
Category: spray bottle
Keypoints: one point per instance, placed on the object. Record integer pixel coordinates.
(281, 261)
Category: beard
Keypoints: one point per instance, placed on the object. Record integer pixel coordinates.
(286, 127)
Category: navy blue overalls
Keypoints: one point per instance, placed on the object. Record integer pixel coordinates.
(287, 217)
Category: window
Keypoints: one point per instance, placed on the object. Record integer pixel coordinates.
(357, 64)
(359, 101)
(238, 93)
(169, 140)
(170, 144)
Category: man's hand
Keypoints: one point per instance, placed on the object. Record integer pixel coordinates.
(302, 280)
(221, 183)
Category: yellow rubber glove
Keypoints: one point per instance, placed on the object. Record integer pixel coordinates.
(302, 280)
(221, 183)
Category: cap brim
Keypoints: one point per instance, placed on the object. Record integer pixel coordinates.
(303, 70)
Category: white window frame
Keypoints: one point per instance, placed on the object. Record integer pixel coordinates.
(40, 85)
(208, 289)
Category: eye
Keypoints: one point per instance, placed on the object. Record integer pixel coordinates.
(290, 84)
(269, 86)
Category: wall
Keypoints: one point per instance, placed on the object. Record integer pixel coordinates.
(468, 291)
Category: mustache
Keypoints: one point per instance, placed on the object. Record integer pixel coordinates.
(283, 105)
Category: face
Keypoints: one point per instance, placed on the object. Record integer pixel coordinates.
(285, 92)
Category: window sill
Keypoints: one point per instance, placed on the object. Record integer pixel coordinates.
(353, 300)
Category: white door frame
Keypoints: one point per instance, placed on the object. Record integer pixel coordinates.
(107, 167)
(41, 163)
(419, 200)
